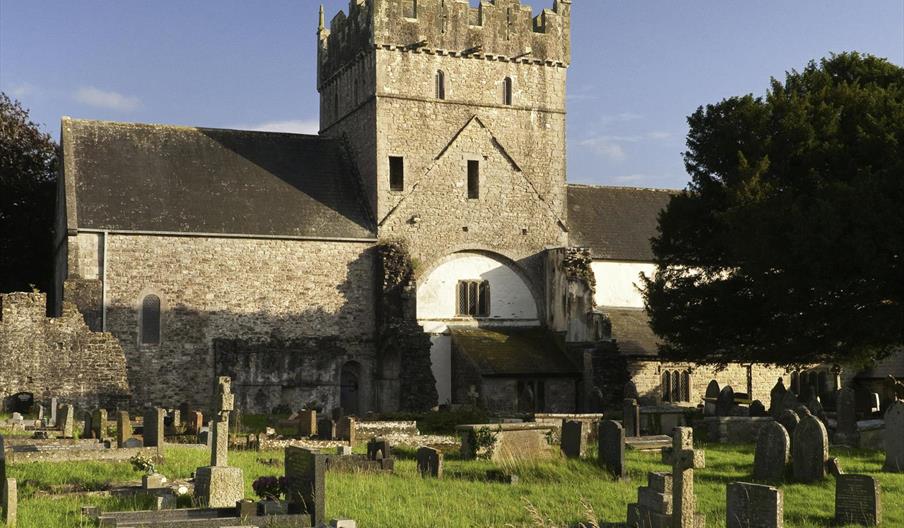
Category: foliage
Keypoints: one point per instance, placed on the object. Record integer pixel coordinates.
(28, 164)
(269, 488)
(787, 245)
(144, 464)
(483, 442)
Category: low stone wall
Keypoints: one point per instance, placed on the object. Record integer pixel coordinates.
(58, 356)
(368, 430)
(733, 429)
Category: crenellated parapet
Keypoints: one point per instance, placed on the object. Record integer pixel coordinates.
(503, 30)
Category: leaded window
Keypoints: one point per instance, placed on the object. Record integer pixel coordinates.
(474, 298)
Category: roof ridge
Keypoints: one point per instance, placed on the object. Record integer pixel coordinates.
(622, 187)
(186, 127)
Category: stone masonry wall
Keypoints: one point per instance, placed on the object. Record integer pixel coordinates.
(280, 316)
(58, 356)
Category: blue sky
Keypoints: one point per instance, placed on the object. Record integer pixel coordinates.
(639, 67)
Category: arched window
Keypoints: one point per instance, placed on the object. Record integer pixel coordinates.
(440, 85)
(676, 386)
(507, 91)
(686, 386)
(666, 386)
(150, 320)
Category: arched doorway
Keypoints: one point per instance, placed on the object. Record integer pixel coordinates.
(350, 388)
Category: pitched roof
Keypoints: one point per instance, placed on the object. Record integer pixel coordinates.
(139, 177)
(615, 223)
(513, 351)
(631, 331)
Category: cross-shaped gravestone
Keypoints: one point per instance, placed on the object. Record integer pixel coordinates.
(218, 485)
(225, 401)
(684, 460)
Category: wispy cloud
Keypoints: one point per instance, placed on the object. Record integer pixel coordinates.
(606, 146)
(21, 90)
(659, 135)
(622, 117)
(108, 100)
(632, 179)
(293, 126)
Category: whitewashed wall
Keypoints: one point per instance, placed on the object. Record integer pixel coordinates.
(617, 282)
(511, 303)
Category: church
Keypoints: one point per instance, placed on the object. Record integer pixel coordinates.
(425, 248)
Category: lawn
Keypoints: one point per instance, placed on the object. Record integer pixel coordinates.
(558, 493)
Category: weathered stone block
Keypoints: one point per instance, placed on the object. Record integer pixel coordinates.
(219, 487)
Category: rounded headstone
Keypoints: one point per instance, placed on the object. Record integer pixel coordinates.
(711, 395)
(773, 448)
(790, 401)
(757, 409)
(725, 401)
(810, 450)
(789, 420)
(894, 438)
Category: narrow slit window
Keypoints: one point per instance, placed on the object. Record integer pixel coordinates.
(440, 85)
(507, 91)
(473, 298)
(410, 9)
(473, 179)
(150, 320)
(396, 173)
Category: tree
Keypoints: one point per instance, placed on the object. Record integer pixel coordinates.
(787, 245)
(28, 163)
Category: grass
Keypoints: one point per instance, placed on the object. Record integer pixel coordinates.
(553, 493)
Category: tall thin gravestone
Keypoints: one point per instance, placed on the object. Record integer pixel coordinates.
(894, 438)
(776, 398)
(67, 420)
(305, 479)
(611, 443)
(10, 498)
(54, 411)
(88, 428)
(754, 506)
(846, 409)
(710, 397)
(572, 439)
(307, 423)
(725, 401)
(857, 500)
(153, 427)
(2, 465)
(684, 460)
(631, 417)
(773, 446)
(218, 485)
(123, 428)
(810, 450)
(99, 424)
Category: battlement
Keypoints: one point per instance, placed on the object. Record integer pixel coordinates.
(496, 29)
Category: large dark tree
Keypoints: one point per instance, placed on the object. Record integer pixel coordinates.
(787, 245)
(28, 160)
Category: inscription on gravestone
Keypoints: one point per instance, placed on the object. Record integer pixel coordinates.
(773, 446)
(857, 500)
(754, 506)
(810, 450)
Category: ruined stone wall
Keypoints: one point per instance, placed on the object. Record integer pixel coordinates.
(280, 316)
(58, 356)
(647, 375)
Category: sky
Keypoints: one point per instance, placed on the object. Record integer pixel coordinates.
(639, 67)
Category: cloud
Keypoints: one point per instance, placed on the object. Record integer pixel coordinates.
(659, 135)
(622, 117)
(21, 90)
(630, 178)
(606, 146)
(108, 100)
(292, 126)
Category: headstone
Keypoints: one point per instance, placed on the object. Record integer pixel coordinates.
(378, 449)
(87, 428)
(710, 397)
(684, 459)
(810, 450)
(307, 423)
(123, 428)
(344, 450)
(67, 420)
(654, 503)
(857, 500)
(99, 424)
(326, 429)
(773, 446)
(343, 523)
(776, 397)
(833, 466)
(789, 420)
(725, 401)
(153, 427)
(572, 439)
(39, 409)
(218, 485)
(790, 402)
(2, 464)
(754, 506)
(757, 409)
(132, 442)
(10, 502)
(814, 404)
(347, 429)
(430, 462)
(194, 422)
(630, 391)
(846, 412)
(894, 438)
(305, 490)
(611, 447)
(176, 417)
(54, 412)
(631, 417)
(184, 409)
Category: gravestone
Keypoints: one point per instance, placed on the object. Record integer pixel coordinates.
(894, 438)
(326, 429)
(430, 462)
(10, 502)
(654, 503)
(710, 397)
(194, 422)
(725, 401)
(810, 450)
(757, 409)
(684, 460)
(789, 420)
(378, 449)
(630, 391)
(773, 446)
(2, 464)
(776, 397)
(572, 439)
(123, 428)
(833, 466)
(66, 419)
(347, 429)
(611, 447)
(754, 506)
(846, 409)
(631, 417)
(218, 485)
(857, 500)
(39, 409)
(87, 428)
(54, 412)
(305, 489)
(99, 424)
(790, 402)
(814, 404)
(307, 423)
(153, 427)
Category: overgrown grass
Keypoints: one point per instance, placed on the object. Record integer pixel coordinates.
(552, 493)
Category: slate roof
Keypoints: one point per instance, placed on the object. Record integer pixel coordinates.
(140, 177)
(616, 223)
(631, 331)
(513, 351)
